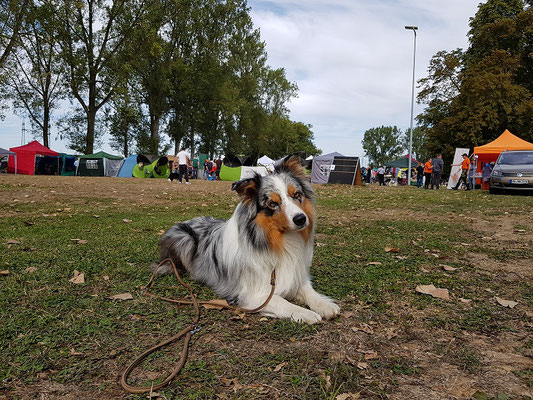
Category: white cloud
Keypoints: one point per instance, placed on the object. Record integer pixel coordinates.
(352, 59)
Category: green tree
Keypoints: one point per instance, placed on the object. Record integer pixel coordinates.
(382, 144)
(473, 96)
(35, 73)
(420, 143)
(124, 119)
(93, 36)
(12, 16)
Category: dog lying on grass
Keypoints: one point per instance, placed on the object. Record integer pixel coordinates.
(272, 228)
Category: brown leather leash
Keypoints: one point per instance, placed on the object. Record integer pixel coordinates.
(186, 332)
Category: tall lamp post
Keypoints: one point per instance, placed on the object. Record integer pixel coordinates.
(414, 29)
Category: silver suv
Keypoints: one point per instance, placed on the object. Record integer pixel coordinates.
(513, 171)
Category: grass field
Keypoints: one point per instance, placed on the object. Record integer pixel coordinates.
(64, 340)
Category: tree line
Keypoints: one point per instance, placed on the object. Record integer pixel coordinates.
(471, 96)
(195, 70)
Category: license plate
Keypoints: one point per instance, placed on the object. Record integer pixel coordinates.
(519, 181)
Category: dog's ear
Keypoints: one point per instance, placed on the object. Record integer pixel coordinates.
(292, 163)
(246, 188)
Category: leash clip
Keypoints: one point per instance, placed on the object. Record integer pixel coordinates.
(197, 328)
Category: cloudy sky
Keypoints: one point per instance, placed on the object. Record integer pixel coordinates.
(351, 59)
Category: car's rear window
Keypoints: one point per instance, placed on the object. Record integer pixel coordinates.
(518, 158)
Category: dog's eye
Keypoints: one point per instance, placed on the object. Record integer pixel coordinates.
(297, 196)
(272, 204)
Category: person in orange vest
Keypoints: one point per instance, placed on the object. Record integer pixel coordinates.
(465, 166)
(428, 169)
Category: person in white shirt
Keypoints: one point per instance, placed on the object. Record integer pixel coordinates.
(183, 161)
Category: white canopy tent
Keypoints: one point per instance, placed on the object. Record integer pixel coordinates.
(266, 162)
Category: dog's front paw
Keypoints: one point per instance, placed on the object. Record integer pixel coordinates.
(326, 309)
(307, 316)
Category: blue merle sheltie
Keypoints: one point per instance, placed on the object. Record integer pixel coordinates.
(272, 228)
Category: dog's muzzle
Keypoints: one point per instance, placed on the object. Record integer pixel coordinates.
(299, 220)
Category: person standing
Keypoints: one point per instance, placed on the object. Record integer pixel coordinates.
(381, 176)
(428, 169)
(195, 162)
(465, 166)
(218, 162)
(183, 161)
(419, 175)
(206, 169)
(438, 166)
(485, 175)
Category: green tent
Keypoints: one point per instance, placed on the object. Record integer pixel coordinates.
(402, 162)
(67, 164)
(158, 169)
(99, 164)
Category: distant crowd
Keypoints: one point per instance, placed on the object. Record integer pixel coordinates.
(428, 175)
(184, 167)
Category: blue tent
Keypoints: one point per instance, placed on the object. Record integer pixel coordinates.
(127, 167)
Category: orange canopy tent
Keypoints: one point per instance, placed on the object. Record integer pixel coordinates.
(506, 141)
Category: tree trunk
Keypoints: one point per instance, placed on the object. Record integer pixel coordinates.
(154, 133)
(46, 124)
(89, 142)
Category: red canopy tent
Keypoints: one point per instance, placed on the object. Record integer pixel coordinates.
(26, 157)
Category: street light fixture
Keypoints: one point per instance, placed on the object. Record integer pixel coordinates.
(414, 29)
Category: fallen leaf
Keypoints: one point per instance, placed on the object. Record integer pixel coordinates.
(317, 244)
(127, 220)
(401, 257)
(433, 291)
(31, 270)
(520, 230)
(122, 296)
(348, 396)
(82, 241)
(96, 216)
(12, 241)
(74, 352)
(391, 250)
(447, 267)
(371, 356)
(390, 333)
(466, 301)
(279, 367)
(364, 328)
(374, 263)
(217, 304)
(78, 277)
(75, 240)
(506, 303)
(4, 272)
(362, 365)
(204, 204)
(263, 319)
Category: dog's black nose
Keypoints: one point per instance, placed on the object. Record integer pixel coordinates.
(299, 219)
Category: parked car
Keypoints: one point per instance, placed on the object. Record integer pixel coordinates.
(513, 171)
